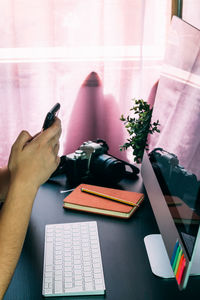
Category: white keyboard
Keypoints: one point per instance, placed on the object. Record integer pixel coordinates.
(72, 260)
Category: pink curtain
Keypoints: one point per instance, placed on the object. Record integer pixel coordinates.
(91, 56)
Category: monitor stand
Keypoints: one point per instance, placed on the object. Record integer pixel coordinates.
(159, 260)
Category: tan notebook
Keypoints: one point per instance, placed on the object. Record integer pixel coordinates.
(91, 203)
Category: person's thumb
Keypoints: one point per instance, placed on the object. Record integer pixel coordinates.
(23, 138)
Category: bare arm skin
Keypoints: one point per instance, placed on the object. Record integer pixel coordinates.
(30, 165)
(4, 183)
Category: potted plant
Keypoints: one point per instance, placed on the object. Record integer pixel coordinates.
(138, 128)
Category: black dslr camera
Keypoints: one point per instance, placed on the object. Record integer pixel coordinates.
(92, 160)
(174, 179)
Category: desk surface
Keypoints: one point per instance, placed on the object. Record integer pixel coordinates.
(126, 267)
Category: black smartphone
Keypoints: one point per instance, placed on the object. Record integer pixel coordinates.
(50, 117)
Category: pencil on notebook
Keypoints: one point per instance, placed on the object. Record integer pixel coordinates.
(108, 197)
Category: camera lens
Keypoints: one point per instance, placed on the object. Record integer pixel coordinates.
(106, 167)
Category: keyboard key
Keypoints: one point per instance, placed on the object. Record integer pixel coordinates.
(48, 292)
(58, 277)
(58, 287)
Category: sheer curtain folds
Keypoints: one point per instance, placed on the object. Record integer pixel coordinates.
(50, 50)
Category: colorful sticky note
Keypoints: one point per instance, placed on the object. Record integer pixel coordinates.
(181, 271)
(176, 257)
(179, 267)
(174, 253)
(178, 260)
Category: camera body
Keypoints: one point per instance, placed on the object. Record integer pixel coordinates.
(174, 178)
(92, 161)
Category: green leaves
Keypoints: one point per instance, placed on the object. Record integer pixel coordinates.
(138, 128)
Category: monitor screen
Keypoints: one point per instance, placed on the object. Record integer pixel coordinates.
(171, 168)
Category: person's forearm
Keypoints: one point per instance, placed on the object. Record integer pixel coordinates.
(14, 219)
(4, 183)
(30, 164)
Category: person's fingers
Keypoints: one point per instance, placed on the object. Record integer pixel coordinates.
(56, 148)
(57, 161)
(54, 141)
(33, 137)
(21, 140)
(54, 131)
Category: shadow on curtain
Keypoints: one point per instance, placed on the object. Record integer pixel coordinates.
(94, 116)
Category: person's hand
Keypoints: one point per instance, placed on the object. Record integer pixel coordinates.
(32, 162)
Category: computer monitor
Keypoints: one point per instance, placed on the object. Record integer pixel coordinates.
(178, 244)
(171, 168)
